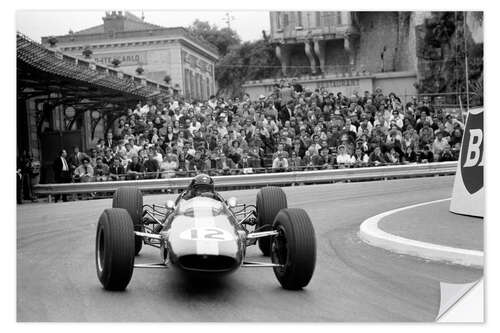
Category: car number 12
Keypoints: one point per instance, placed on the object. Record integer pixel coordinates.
(214, 234)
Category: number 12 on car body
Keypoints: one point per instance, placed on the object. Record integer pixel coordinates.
(214, 234)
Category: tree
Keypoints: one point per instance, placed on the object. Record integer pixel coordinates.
(223, 38)
(239, 62)
(116, 62)
(248, 61)
(445, 42)
(87, 52)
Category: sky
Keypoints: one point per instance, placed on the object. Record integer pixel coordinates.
(38, 23)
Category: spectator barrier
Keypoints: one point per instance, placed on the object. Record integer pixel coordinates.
(259, 179)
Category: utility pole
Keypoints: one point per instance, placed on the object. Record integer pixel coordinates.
(466, 61)
(228, 19)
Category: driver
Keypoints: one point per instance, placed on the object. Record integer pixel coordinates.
(201, 185)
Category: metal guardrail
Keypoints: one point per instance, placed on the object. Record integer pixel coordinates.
(263, 179)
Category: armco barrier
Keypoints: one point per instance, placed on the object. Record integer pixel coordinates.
(283, 178)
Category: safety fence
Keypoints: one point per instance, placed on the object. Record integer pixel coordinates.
(218, 172)
(258, 180)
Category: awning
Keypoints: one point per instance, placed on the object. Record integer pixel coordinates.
(42, 70)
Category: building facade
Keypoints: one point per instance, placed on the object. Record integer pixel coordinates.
(350, 51)
(153, 51)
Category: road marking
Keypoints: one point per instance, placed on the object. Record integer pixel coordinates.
(370, 233)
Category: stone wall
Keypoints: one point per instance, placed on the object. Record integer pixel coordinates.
(391, 30)
(401, 83)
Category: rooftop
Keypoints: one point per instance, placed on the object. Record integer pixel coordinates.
(49, 70)
(119, 24)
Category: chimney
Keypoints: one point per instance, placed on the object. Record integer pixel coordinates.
(114, 22)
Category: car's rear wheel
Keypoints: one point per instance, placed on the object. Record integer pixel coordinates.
(130, 199)
(115, 249)
(294, 248)
(270, 200)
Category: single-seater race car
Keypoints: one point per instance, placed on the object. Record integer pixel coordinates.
(201, 233)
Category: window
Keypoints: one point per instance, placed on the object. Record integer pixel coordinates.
(278, 20)
(339, 18)
(191, 84)
(285, 20)
(299, 19)
(318, 19)
(208, 87)
(187, 91)
(203, 88)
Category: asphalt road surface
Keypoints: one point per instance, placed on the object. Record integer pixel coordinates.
(56, 277)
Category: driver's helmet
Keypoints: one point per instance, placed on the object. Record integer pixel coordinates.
(202, 183)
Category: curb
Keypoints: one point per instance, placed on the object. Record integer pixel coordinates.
(370, 233)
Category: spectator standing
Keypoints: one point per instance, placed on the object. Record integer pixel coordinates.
(61, 173)
(75, 159)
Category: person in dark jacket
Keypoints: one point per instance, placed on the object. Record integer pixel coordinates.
(426, 156)
(62, 173)
(151, 167)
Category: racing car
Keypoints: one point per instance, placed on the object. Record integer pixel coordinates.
(201, 233)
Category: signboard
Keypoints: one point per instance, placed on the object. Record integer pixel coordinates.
(127, 59)
(468, 189)
(346, 85)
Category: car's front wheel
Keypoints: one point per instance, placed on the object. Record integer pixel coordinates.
(270, 200)
(294, 248)
(115, 249)
(130, 199)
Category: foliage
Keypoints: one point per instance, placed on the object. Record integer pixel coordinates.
(167, 79)
(52, 41)
(116, 62)
(239, 62)
(247, 61)
(442, 60)
(139, 70)
(87, 52)
(223, 38)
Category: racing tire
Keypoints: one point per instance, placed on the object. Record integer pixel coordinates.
(115, 249)
(294, 248)
(270, 200)
(130, 199)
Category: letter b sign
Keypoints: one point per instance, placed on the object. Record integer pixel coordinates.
(471, 158)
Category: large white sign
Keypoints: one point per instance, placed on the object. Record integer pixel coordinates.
(468, 189)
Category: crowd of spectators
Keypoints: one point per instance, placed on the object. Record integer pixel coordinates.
(291, 129)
